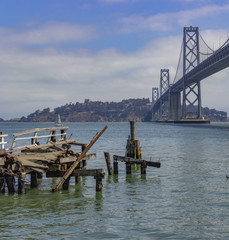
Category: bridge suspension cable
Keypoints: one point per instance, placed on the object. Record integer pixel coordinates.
(178, 70)
(204, 52)
(209, 48)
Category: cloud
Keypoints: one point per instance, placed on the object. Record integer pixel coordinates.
(33, 79)
(49, 33)
(36, 79)
(166, 21)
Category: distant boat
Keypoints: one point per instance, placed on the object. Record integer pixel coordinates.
(58, 121)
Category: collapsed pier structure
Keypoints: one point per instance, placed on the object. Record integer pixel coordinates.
(133, 156)
(54, 158)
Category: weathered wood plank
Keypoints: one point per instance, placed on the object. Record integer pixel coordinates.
(78, 172)
(74, 158)
(41, 136)
(44, 157)
(79, 144)
(137, 161)
(32, 147)
(39, 129)
(27, 163)
(58, 147)
(108, 162)
(37, 170)
(74, 165)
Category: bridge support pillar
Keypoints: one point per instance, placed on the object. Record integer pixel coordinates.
(155, 96)
(191, 58)
(175, 106)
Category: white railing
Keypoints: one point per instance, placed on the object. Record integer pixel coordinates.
(53, 136)
(2, 140)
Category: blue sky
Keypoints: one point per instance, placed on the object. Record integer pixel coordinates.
(55, 52)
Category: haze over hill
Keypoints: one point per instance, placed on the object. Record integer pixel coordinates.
(97, 111)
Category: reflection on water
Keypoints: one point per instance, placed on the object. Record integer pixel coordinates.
(187, 198)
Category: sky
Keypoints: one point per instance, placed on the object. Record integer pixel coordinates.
(55, 52)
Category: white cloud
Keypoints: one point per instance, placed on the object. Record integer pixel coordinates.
(49, 33)
(166, 21)
(32, 79)
(49, 77)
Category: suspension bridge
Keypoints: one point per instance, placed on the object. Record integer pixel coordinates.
(180, 101)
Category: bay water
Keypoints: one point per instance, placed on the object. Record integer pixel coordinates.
(187, 198)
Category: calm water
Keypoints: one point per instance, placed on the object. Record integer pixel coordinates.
(187, 198)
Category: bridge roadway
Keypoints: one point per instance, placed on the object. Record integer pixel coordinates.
(215, 63)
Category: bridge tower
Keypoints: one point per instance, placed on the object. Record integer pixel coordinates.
(164, 86)
(191, 58)
(155, 96)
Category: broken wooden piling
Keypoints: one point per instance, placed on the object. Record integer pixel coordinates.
(33, 179)
(21, 184)
(115, 166)
(133, 155)
(133, 148)
(108, 162)
(129, 161)
(73, 166)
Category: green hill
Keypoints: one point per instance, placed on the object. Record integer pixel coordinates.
(97, 111)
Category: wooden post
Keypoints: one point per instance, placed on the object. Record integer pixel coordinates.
(99, 184)
(63, 136)
(39, 175)
(78, 178)
(138, 149)
(115, 166)
(9, 183)
(2, 184)
(53, 137)
(84, 161)
(66, 184)
(132, 130)
(33, 179)
(21, 185)
(128, 168)
(108, 162)
(133, 148)
(143, 168)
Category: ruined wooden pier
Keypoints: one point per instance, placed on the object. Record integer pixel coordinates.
(133, 156)
(130, 161)
(55, 158)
